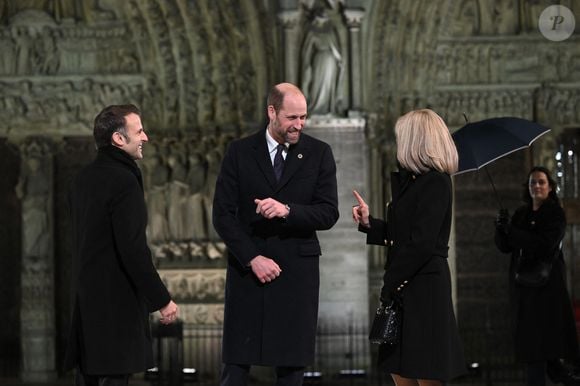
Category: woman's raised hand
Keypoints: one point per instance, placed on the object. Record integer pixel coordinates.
(360, 212)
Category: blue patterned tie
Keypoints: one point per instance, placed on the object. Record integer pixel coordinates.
(279, 162)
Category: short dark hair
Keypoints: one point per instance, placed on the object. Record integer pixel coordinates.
(110, 120)
(552, 196)
(275, 98)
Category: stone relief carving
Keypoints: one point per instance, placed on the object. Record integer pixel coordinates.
(34, 44)
(204, 314)
(179, 174)
(483, 103)
(195, 286)
(553, 105)
(492, 17)
(182, 56)
(505, 60)
(61, 105)
(59, 10)
(559, 105)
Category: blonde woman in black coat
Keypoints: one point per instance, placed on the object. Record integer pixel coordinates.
(545, 332)
(416, 234)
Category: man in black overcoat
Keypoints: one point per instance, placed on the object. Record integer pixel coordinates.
(115, 285)
(276, 188)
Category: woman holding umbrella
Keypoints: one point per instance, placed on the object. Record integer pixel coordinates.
(545, 331)
(416, 234)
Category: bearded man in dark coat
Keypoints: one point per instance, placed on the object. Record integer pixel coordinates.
(276, 188)
(115, 285)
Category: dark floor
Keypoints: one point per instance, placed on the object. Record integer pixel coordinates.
(329, 382)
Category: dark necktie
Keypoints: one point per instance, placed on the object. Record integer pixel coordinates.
(279, 162)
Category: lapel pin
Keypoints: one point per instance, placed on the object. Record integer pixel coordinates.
(300, 156)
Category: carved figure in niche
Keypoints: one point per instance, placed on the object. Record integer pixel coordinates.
(213, 159)
(467, 22)
(184, 293)
(7, 61)
(157, 202)
(226, 110)
(22, 40)
(196, 226)
(322, 66)
(33, 190)
(45, 54)
(177, 194)
(495, 63)
(207, 100)
(442, 57)
(506, 18)
(531, 11)
(202, 287)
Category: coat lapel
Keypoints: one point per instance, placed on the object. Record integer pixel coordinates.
(295, 158)
(260, 153)
(297, 155)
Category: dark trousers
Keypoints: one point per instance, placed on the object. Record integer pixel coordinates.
(100, 380)
(237, 375)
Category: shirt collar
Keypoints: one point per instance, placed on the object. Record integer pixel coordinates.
(272, 144)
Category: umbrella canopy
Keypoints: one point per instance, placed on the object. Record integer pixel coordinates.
(480, 143)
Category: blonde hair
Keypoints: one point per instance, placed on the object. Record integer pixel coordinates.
(424, 142)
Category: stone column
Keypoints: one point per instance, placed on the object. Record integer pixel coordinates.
(353, 19)
(37, 319)
(289, 19)
(343, 305)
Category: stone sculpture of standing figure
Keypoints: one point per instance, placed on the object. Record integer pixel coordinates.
(322, 66)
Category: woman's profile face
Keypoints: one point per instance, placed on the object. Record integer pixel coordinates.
(539, 187)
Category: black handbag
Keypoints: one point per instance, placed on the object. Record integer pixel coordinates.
(386, 327)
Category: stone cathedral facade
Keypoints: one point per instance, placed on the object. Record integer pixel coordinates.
(200, 71)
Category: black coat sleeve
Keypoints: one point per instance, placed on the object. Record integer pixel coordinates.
(501, 241)
(376, 233)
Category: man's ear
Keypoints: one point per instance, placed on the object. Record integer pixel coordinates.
(117, 139)
(271, 113)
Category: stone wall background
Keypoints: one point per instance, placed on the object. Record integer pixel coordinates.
(200, 71)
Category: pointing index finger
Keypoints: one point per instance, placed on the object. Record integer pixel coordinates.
(358, 197)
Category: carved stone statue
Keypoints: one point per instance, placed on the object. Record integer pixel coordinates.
(157, 201)
(34, 192)
(213, 159)
(178, 191)
(322, 66)
(195, 210)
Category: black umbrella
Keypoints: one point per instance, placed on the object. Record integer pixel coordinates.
(480, 143)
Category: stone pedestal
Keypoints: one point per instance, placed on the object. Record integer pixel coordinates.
(343, 315)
